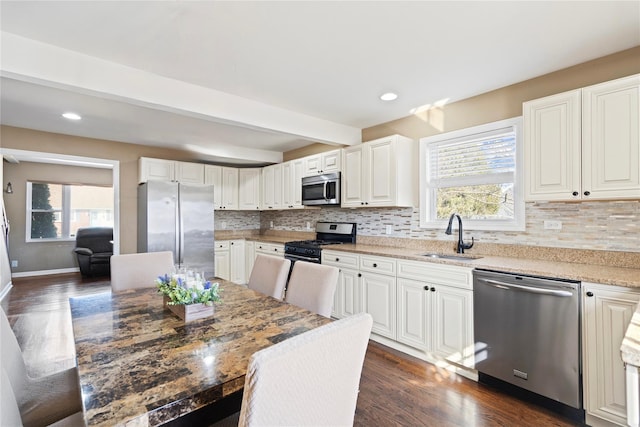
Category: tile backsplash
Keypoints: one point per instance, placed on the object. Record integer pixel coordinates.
(613, 226)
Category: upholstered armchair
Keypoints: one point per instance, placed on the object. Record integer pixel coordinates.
(94, 247)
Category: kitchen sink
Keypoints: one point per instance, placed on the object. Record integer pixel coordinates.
(451, 257)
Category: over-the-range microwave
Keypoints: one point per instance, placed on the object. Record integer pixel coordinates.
(321, 190)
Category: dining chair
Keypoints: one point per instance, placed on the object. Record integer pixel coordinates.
(311, 379)
(269, 275)
(43, 400)
(312, 286)
(133, 271)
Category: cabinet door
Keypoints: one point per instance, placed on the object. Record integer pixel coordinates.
(331, 161)
(352, 175)
(414, 313)
(189, 173)
(610, 139)
(292, 184)
(237, 262)
(230, 188)
(312, 165)
(222, 264)
(155, 170)
(380, 173)
(213, 176)
(607, 312)
(452, 325)
(351, 293)
(552, 138)
(249, 188)
(380, 301)
(268, 187)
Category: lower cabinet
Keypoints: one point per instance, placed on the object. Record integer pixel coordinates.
(607, 312)
(230, 260)
(222, 260)
(274, 249)
(379, 296)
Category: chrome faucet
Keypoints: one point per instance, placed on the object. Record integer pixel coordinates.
(461, 244)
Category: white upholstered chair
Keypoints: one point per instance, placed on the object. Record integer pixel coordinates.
(269, 275)
(132, 271)
(43, 400)
(312, 286)
(311, 379)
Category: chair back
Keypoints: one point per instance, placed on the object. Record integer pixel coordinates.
(312, 286)
(9, 411)
(310, 379)
(11, 357)
(133, 271)
(269, 275)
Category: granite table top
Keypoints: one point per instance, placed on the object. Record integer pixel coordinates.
(140, 365)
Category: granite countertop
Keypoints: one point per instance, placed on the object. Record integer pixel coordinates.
(139, 364)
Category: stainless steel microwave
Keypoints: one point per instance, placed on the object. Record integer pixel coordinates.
(321, 190)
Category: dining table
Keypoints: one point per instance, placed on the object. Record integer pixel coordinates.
(141, 365)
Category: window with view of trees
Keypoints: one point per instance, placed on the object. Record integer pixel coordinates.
(58, 210)
(474, 173)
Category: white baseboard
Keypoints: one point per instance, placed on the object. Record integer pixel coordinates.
(5, 291)
(45, 272)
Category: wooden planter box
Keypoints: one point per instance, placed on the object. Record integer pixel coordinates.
(189, 312)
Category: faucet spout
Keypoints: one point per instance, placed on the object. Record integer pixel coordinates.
(461, 244)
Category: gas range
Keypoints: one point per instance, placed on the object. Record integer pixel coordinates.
(327, 233)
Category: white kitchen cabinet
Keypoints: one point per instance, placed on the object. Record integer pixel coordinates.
(155, 170)
(249, 257)
(377, 275)
(347, 299)
(225, 182)
(435, 309)
(249, 188)
(273, 249)
(327, 162)
(237, 261)
(379, 173)
(292, 184)
(272, 187)
(584, 144)
(189, 173)
(607, 312)
(222, 263)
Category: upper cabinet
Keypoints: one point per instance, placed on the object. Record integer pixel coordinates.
(292, 184)
(327, 162)
(379, 173)
(272, 187)
(584, 144)
(169, 170)
(225, 183)
(249, 188)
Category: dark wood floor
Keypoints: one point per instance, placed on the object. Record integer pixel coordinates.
(395, 390)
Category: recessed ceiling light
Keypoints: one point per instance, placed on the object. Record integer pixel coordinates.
(71, 116)
(389, 96)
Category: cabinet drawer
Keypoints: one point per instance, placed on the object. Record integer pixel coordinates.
(450, 275)
(222, 245)
(375, 264)
(270, 248)
(340, 259)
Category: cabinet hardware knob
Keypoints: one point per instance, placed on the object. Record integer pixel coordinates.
(426, 288)
(575, 193)
(375, 265)
(433, 289)
(362, 203)
(359, 274)
(589, 294)
(586, 193)
(337, 259)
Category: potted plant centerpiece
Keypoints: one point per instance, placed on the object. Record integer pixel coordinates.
(189, 296)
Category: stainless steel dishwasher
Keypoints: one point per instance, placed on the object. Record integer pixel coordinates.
(527, 333)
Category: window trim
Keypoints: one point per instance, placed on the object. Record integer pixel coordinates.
(515, 224)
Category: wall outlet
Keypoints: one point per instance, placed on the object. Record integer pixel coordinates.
(270, 224)
(14, 263)
(308, 225)
(388, 229)
(552, 225)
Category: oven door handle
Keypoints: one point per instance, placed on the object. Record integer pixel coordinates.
(302, 258)
(507, 286)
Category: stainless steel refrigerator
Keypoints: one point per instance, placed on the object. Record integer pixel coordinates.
(179, 218)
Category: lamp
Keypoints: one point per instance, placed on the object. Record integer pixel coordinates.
(9, 189)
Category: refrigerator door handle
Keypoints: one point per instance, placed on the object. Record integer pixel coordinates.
(177, 256)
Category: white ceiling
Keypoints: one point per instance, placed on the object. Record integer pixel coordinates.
(242, 82)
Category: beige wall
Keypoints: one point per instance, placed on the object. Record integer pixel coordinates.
(507, 102)
(126, 154)
(42, 255)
